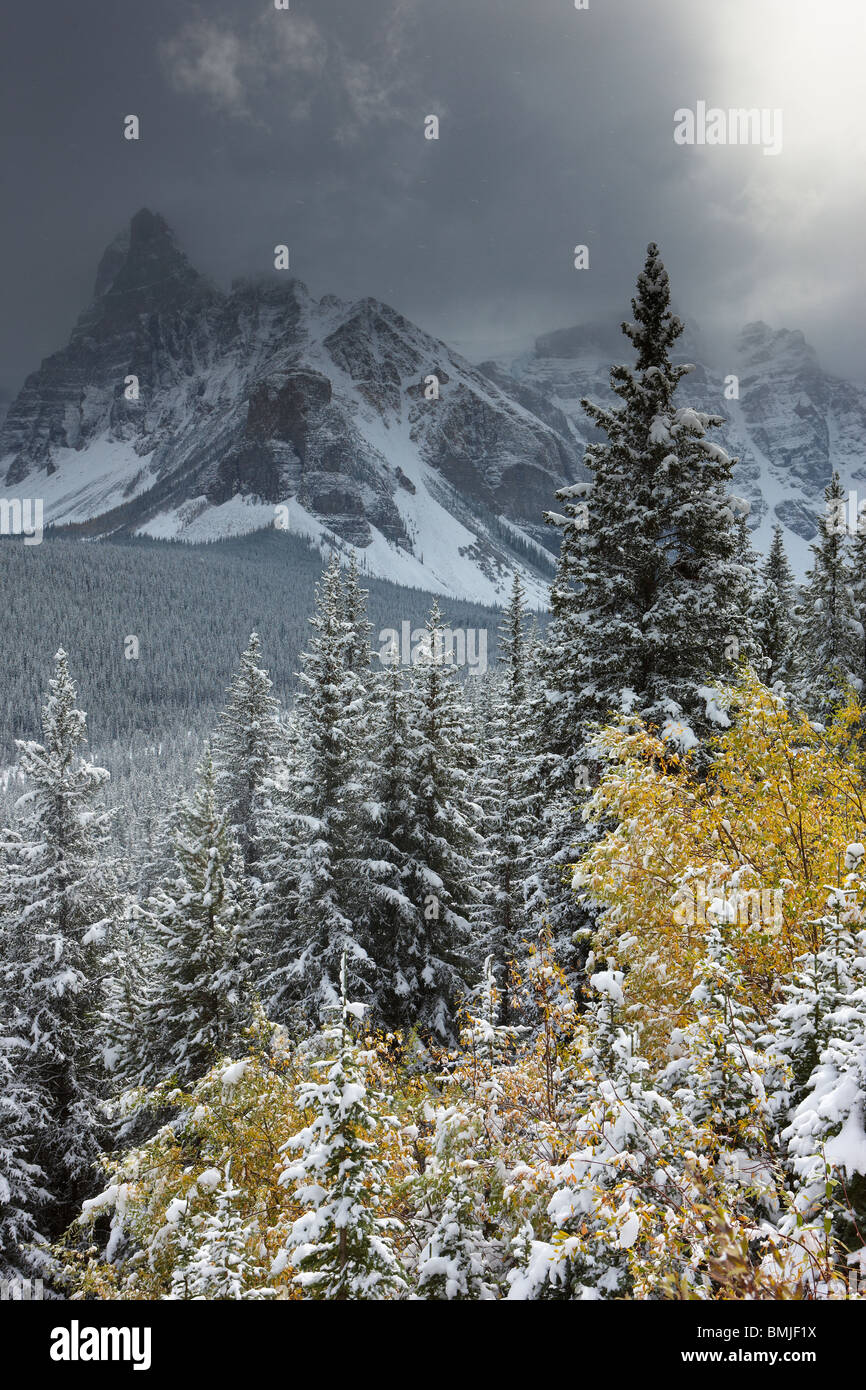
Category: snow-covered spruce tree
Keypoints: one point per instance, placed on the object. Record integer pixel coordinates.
(246, 747)
(340, 1245)
(131, 978)
(23, 1195)
(830, 640)
(773, 617)
(459, 1255)
(650, 598)
(820, 1029)
(389, 919)
(622, 1172)
(199, 1002)
(220, 1263)
(858, 594)
(513, 810)
(720, 1069)
(652, 585)
(277, 867)
(323, 816)
(56, 901)
(358, 626)
(442, 839)
(746, 554)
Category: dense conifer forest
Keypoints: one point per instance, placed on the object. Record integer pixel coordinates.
(363, 977)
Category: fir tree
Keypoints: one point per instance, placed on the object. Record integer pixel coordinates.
(511, 823)
(358, 627)
(23, 1195)
(323, 816)
(202, 916)
(830, 637)
(650, 598)
(455, 1260)
(340, 1246)
(623, 1133)
(651, 584)
(773, 614)
(56, 900)
(246, 747)
(820, 1031)
(442, 839)
(718, 1078)
(220, 1264)
(131, 979)
(391, 922)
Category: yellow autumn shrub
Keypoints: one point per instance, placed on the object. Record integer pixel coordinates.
(756, 839)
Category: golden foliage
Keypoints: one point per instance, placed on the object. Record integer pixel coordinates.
(760, 836)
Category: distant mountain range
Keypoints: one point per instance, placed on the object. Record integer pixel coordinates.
(348, 424)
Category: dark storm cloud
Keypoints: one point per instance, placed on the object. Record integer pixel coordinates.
(305, 126)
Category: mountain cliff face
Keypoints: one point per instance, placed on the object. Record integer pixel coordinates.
(790, 427)
(179, 411)
(265, 406)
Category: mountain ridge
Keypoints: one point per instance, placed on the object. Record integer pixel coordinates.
(346, 423)
(340, 421)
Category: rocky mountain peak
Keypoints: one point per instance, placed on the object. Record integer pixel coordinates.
(760, 344)
(178, 410)
(142, 270)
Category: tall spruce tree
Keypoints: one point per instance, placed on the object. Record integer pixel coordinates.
(246, 747)
(858, 595)
(651, 595)
(830, 635)
(323, 819)
(56, 900)
(199, 1003)
(442, 839)
(389, 919)
(514, 803)
(358, 627)
(132, 978)
(651, 584)
(773, 614)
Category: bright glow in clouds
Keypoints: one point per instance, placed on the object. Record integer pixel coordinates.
(806, 57)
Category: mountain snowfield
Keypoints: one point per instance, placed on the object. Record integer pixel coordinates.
(265, 407)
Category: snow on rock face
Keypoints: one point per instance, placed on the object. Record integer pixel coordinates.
(263, 398)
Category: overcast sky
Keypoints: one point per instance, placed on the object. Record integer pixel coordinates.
(306, 127)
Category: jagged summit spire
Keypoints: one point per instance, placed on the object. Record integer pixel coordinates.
(144, 257)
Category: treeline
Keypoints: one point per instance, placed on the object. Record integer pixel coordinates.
(191, 607)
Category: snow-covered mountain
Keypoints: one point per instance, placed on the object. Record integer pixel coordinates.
(790, 426)
(265, 406)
